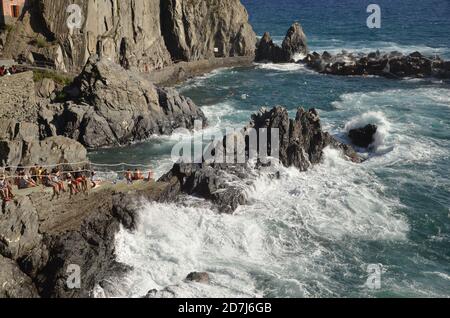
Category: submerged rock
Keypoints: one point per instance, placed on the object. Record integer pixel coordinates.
(363, 137)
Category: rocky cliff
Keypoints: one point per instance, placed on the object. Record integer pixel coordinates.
(139, 34)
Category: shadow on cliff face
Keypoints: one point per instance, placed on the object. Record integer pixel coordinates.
(37, 21)
(2, 15)
(170, 38)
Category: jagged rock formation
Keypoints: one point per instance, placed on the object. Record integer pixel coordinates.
(112, 106)
(138, 34)
(301, 144)
(391, 65)
(294, 43)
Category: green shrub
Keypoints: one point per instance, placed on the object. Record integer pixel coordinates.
(58, 78)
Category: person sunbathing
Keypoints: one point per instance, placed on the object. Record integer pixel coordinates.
(129, 177)
(95, 180)
(34, 172)
(81, 180)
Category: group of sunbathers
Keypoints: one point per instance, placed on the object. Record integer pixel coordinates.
(77, 181)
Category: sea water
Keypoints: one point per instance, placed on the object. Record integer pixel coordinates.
(316, 233)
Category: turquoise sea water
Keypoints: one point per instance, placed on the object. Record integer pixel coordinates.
(315, 234)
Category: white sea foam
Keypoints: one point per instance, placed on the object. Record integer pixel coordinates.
(282, 67)
(285, 67)
(299, 232)
(376, 118)
(279, 244)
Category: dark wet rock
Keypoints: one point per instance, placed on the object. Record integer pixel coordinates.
(301, 144)
(212, 182)
(391, 65)
(293, 43)
(197, 277)
(363, 137)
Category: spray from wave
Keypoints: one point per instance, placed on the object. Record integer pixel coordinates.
(295, 236)
(376, 118)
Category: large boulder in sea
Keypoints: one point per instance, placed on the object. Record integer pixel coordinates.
(301, 144)
(112, 106)
(195, 30)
